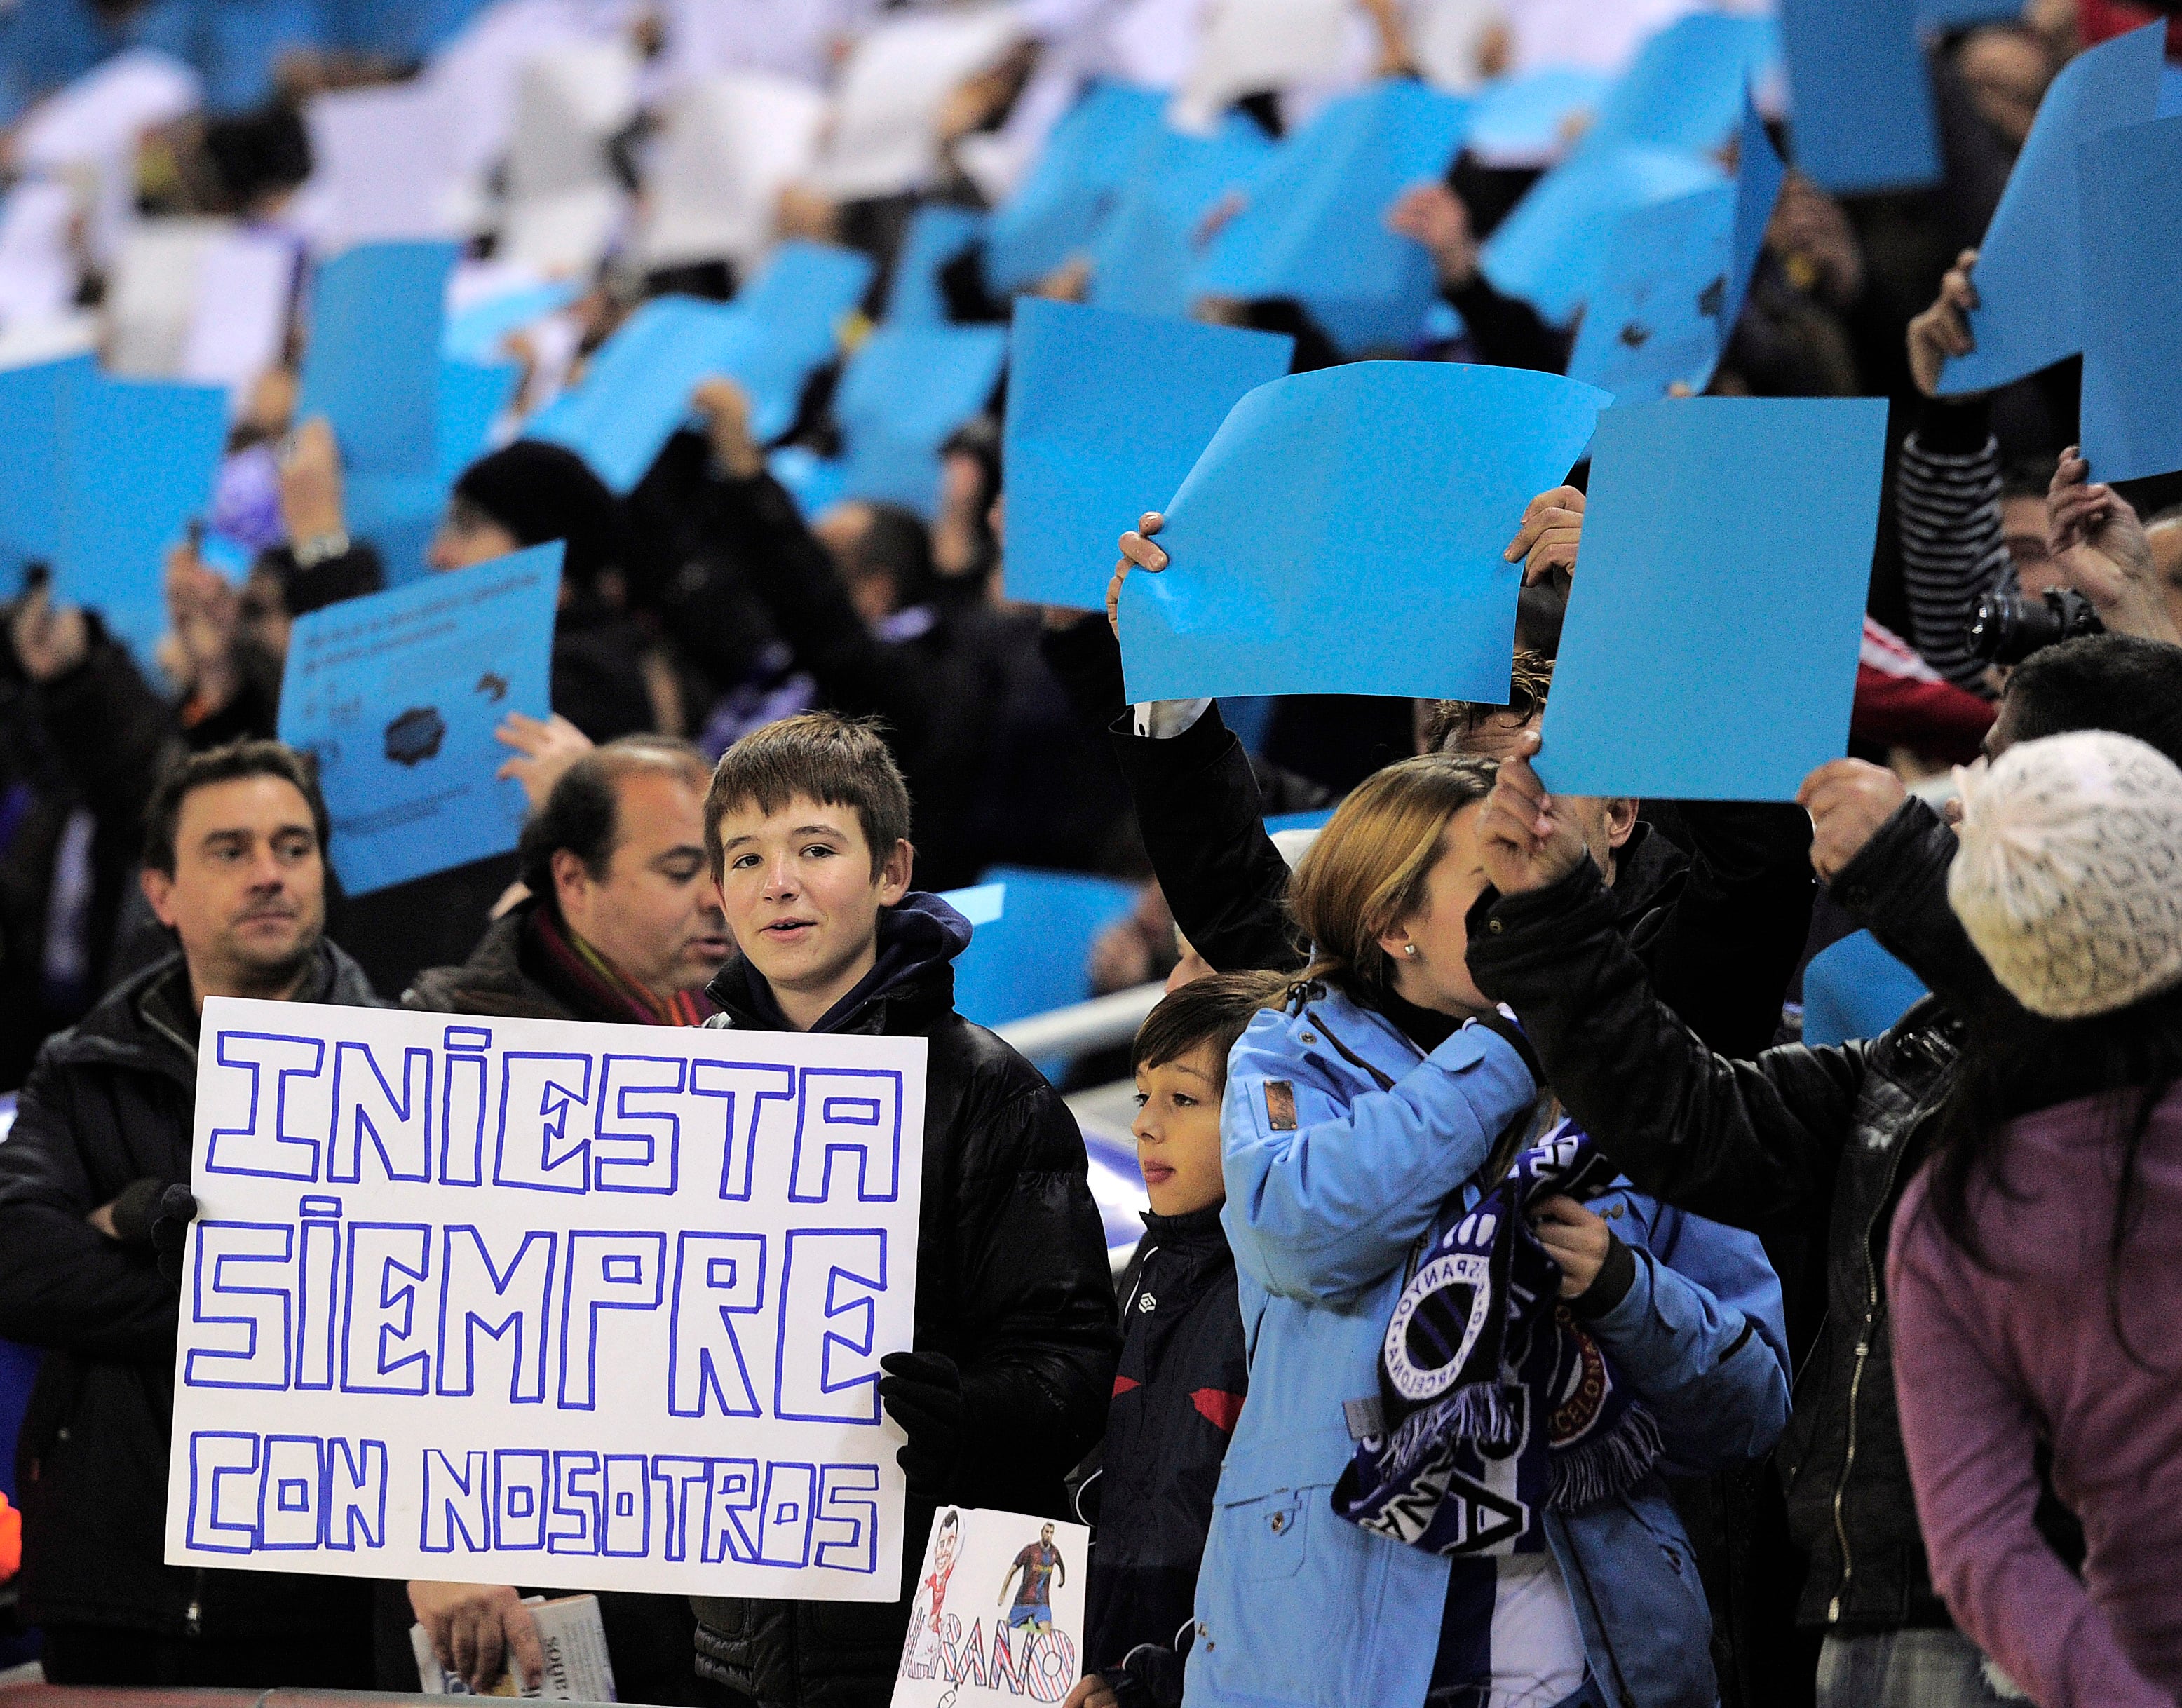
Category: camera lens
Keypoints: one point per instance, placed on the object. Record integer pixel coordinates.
(2008, 628)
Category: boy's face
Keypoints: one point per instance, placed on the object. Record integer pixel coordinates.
(1177, 1128)
(799, 896)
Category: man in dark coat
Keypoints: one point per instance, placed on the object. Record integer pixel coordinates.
(805, 825)
(91, 1177)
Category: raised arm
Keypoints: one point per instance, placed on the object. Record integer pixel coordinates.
(1326, 1193)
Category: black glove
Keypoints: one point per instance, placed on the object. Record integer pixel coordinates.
(133, 1211)
(923, 1394)
(170, 1229)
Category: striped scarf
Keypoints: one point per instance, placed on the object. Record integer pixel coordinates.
(589, 984)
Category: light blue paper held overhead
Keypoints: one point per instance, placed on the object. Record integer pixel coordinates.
(902, 393)
(1316, 228)
(1710, 649)
(2132, 275)
(1551, 250)
(1532, 117)
(1862, 118)
(1684, 88)
(937, 233)
(1056, 210)
(371, 364)
(1343, 533)
(398, 694)
(29, 463)
(2030, 313)
(1086, 455)
(1147, 248)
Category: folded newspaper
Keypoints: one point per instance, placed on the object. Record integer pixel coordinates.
(574, 1640)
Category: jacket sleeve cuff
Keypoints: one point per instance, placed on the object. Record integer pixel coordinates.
(1611, 1285)
(1196, 747)
(1912, 846)
(1946, 427)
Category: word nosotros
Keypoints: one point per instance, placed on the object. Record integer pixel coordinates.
(251, 1494)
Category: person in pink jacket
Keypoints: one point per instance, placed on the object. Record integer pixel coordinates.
(2031, 1265)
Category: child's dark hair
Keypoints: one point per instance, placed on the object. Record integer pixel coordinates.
(1212, 1011)
(838, 762)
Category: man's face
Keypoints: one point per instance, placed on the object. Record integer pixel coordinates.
(1046, 1534)
(2023, 529)
(248, 894)
(655, 915)
(1606, 820)
(467, 536)
(842, 531)
(799, 894)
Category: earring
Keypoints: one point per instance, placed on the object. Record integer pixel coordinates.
(1410, 950)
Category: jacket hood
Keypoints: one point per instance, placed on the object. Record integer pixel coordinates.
(918, 939)
(116, 1034)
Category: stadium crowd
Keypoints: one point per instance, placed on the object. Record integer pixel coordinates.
(1828, 1370)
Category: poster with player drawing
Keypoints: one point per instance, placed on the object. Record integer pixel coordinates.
(998, 1612)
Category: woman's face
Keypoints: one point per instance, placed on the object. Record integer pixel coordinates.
(1438, 975)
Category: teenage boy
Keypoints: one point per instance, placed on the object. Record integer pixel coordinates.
(1184, 1368)
(807, 827)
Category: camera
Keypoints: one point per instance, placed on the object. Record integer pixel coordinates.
(2008, 628)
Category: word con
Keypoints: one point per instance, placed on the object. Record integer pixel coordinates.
(251, 1494)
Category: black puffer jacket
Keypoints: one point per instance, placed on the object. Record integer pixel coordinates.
(110, 1102)
(1799, 1137)
(1180, 1387)
(1012, 1284)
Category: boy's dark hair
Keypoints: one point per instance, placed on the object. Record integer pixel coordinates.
(1213, 1010)
(2026, 477)
(1528, 680)
(2124, 683)
(582, 812)
(837, 761)
(185, 776)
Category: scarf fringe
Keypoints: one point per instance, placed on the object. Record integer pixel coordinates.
(1614, 1463)
(1480, 1413)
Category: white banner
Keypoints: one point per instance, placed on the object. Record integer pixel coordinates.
(529, 1301)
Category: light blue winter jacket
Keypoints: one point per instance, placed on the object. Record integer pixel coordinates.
(1332, 1181)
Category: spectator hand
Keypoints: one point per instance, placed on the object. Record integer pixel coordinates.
(474, 1627)
(923, 1394)
(1138, 552)
(310, 484)
(1092, 1692)
(1848, 800)
(1944, 329)
(2100, 548)
(726, 409)
(1527, 845)
(170, 1229)
(1574, 1238)
(50, 640)
(544, 750)
(1434, 216)
(204, 616)
(1551, 530)
(1811, 232)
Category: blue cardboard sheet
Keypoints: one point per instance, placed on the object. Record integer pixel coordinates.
(1147, 248)
(1530, 117)
(1758, 175)
(1854, 989)
(799, 296)
(812, 480)
(902, 393)
(980, 904)
(1036, 956)
(371, 364)
(398, 694)
(1954, 15)
(1657, 313)
(1685, 89)
(1863, 119)
(471, 396)
(137, 459)
(1710, 649)
(1343, 533)
(1316, 228)
(1552, 249)
(1085, 456)
(2031, 311)
(2132, 275)
(31, 462)
(937, 233)
(1057, 209)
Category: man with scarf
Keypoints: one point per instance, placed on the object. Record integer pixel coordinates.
(622, 924)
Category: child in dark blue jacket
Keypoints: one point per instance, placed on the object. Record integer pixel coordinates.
(1182, 1371)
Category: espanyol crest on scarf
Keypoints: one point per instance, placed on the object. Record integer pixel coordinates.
(1494, 1404)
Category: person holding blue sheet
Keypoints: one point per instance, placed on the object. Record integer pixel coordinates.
(93, 1207)
(1473, 1350)
(1805, 1143)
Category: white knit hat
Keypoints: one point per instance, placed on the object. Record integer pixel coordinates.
(2070, 879)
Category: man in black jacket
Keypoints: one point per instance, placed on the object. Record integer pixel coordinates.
(1817, 1140)
(90, 1179)
(805, 824)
